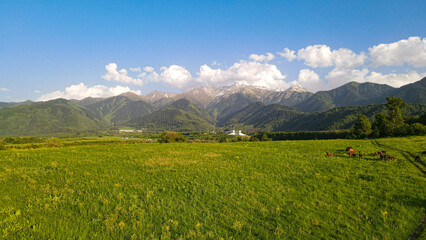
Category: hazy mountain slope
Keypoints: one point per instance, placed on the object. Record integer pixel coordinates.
(181, 115)
(157, 95)
(201, 96)
(88, 101)
(350, 94)
(237, 117)
(290, 97)
(262, 116)
(121, 109)
(227, 105)
(49, 117)
(258, 93)
(12, 104)
(190, 107)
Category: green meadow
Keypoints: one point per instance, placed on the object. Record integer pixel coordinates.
(243, 190)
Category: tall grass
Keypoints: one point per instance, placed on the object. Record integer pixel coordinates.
(259, 190)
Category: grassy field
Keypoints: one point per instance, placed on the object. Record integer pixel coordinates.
(260, 190)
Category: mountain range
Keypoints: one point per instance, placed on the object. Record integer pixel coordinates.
(207, 107)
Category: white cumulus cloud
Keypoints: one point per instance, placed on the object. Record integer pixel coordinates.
(119, 76)
(346, 58)
(310, 80)
(149, 76)
(4, 89)
(289, 54)
(338, 77)
(322, 56)
(262, 58)
(148, 69)
(411, 51)
(316, 56)
(245, 72)
(81, 91)
(136, 69)
(176, 76)
(395, 79)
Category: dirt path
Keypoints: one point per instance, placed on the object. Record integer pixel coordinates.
(416, 234)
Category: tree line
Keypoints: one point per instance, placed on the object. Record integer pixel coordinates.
(390, 124)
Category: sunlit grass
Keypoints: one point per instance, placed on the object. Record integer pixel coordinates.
(262, 190)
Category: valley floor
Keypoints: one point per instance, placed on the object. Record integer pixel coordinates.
(245, 190)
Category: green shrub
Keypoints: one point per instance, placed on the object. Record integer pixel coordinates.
(254, 139)
(362, 127)
(52, 142)
(417, 129)
(171, 137)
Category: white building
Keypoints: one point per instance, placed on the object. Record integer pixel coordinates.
(236, 133)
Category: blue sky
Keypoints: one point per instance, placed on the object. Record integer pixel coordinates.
(49, 46)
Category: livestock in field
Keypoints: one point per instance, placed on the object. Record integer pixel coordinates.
(382, 155)
(351, 151)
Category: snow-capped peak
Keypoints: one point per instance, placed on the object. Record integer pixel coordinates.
(297, 88)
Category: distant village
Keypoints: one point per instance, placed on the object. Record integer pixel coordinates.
(230, 133)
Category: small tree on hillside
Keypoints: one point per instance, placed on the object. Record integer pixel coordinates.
(395, 106)
(362, 127)
(381, 125)
(392, 123)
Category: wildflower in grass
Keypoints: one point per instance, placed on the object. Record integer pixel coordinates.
(109, 223)
(165, 232)
(277, 210)
(237, 226)
(120, 195)
(149, 194)
(384, 214)
(121, 224)
(191, 233)
(174, 223)
(198, 225)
